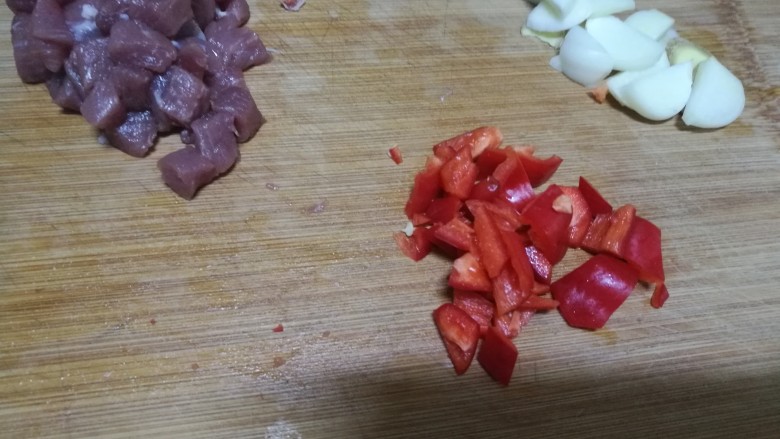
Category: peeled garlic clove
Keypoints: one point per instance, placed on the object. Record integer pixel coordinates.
(617, 82)
(650, 22)
(583, 59)
(629, 48)
(717, 97)
(681, 50)
(544, 18)
(609, 7)
(554, 39)
(661, 95)
(562, 7)
(555, 63)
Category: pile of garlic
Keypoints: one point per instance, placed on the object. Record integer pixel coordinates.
(657, 73)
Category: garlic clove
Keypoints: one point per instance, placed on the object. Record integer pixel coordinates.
(661, 95)
(629, 48)
(717, 97)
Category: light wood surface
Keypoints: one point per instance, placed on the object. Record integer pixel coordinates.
(127, 312)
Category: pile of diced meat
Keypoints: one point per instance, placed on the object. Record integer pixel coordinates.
(138, 68)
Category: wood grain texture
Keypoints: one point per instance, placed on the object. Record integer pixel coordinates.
(93, 247)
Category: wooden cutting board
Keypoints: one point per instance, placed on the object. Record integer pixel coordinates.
(128, 312)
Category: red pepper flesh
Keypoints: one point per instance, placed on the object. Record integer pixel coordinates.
(498, 356)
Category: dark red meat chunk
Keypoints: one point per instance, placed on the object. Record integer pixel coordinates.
(136, 44)
(49, 23)
(238, 102)
(184, 97)
(192, 56)
(63, 92)
(132, 84)
(164, 16)
(136, 135)
(214, 137)
(102, 107)
(88, 63)
(80, 17)
(186, 170)
(28, 51)
(204, 12)
(237, 48)
(18, 6)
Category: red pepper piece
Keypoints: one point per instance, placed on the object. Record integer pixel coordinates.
(510, 324)
(596, 231)
(442, 210)
(660, 294)
(505, 217)
(540, 288)
(643, 251)
(593, 291)
(420, 219)
(491, 248)
(426, 187)
(416, 246)
(486, 189)
(476, 140)
(497, 356)
(596, 202)
(459, 174)
(619, 226)
(549, 227)
(489, 160)
(395, 154)
(541, 266)
(518, 260)
(506, 293)
(457, 234)
(460, 334)
(444, 152)
(580, 216)
(468, 274)
(539, 303)
(516, 188)
(479, 308)
(539, 170)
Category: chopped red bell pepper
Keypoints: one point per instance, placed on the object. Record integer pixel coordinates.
(395, 155)
(596, 231)
(539, 170)
(506, 293)
(498, 356)
(489, 160)
(476, 140)
(459, 174)
(596, 202)
(491, 248)
(643, 251)
(593, 291)
(444, 152)
(456, 233)
(504, 216)
(468, 274)
(460, 334)
(539, 303)
(620, 221)
(479, 308)
(511, 323)
(580, 216)
(518, 260)
(485, 190)
(660, 294)
(442, 210)
(549, 228)
(426, 187)
(416, 246)
(541, 266)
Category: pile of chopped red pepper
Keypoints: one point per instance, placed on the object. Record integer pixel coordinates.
(476, 202)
